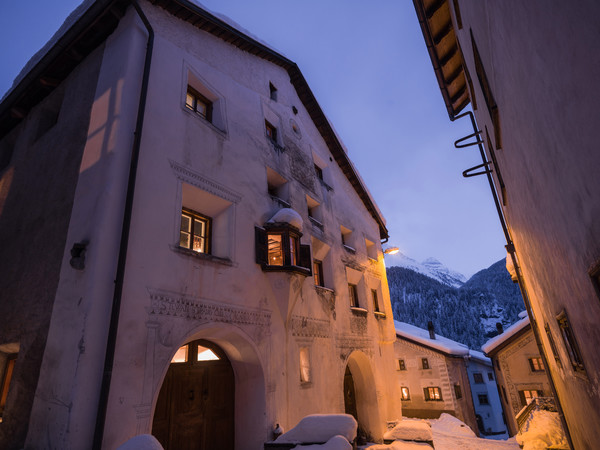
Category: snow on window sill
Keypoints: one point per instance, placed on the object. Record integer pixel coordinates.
(357, 310)
(379, 314)
(350, 249)
(323, 288)
(202, 256)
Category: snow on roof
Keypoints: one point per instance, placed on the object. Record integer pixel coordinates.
(480, 357)
(68, 23)
(501, 338)
(422, 337)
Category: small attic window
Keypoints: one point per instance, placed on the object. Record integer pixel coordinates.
(196, 102)
(204, 101)
(272, 92)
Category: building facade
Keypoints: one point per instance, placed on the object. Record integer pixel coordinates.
(210, 260)
(529, 72)
(431, 371)
(486, 400)
(519, 370)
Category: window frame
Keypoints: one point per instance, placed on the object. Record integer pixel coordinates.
(573, 349)
(271, 131)
(193, 216)
(7, 376)
(353, 295)
(486, 399)
(318, 273)
(296, 256)
(490, 376)
(478, 378)
(425, 364)
(375, 301)
(435, 389)
(401, 364)
(197, 97)
(457, 391)
(403, 397)
(536, 361)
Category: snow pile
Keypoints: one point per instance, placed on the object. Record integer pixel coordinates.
(400, 445)
(542, 430)
(451, 425)
(410, 430)
(141, 442)
(335, 443)
(321, 428)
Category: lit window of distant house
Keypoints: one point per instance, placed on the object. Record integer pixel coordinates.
(457, 391)
(194, 231)
(527, 396)
(5, 381)
(271, 131)
(477, 377)
(401, 364)
(536, 364)
(405, 393)
(425, 363)
(570, 342)
(278, 248)
(318, 272)
(353, 294)
(490, 376)
(194, 101)
(433, 394)
(483, 399)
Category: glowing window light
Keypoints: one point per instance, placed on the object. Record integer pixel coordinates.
(206, 354)
(181, 355)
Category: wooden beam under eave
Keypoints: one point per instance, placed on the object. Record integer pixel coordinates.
(17, 113)
(443, 32)
(433, 8)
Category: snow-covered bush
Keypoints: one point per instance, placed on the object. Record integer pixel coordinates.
(321, 428)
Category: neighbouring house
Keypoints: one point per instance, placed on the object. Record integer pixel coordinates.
(519, 370)
(486, 400)
(431, 371)
(529, 71)
(186, 248)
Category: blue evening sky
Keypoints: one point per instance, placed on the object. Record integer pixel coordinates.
(368, 67)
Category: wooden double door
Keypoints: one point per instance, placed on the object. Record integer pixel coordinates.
(195, 406)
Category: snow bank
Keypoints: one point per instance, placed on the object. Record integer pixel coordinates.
(335, 443)
(410, 430)
(451, 425)
(422, 336)
(141, 442)
(542, 430)
(399, 445)
(321, 428)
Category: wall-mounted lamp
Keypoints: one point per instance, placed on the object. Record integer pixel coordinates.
(391, 251)
(78, 255)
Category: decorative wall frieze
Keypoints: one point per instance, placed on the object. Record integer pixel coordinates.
(176, 305)
(303, 326)
(200, 181)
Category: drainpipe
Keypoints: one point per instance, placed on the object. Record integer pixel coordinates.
(120, 275)
(510, 248)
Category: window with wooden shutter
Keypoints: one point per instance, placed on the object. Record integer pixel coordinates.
(278, 248)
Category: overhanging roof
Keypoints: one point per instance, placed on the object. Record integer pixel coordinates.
(436, 24)
(100, 20)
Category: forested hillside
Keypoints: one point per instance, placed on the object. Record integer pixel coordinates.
(467, 314)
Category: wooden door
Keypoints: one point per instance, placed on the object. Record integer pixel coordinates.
(349, 395)
(195, 406)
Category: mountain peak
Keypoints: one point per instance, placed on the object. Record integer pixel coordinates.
(430, 267)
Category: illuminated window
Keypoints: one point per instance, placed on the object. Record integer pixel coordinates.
(206, 354)
(304, 365)
(9, 368)
(181, 355)
(194, 231)
(353, 294)
(483, 399)
(401, 364)
(197, 352)
(318, 272)
(278, 248)
(196, 102)
(405, 393)
(433, 394)
(457, 391)
(477, 377)
(425, 363)
(527, 396)
(536, 364)
(271, 131)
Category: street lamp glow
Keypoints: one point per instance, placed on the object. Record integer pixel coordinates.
(391, 251)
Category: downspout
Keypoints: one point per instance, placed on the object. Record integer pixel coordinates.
(120, 275)
(510, 248)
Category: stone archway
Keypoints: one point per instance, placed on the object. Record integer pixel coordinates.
(249, 426)
(359, 383)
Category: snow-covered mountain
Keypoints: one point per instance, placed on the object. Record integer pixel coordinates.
(431, 268)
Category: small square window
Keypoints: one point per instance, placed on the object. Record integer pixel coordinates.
(194, 101)
(536, 364)
(433, 394)
(490, 376)
(405, 393)
(477, 377)
(194, 231)
(483, 399)
(353, 293)
(318, 272)
(401, 364)
(271, 131)
(457, 391)
(425, 363)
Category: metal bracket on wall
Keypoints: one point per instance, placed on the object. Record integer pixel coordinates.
(467, 173)
(459, 143)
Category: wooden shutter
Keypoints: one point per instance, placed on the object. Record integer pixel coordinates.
(305, 259)
(260, 245)
(522, 398)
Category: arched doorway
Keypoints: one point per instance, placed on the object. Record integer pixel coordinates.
(349, 394)
(195, 406)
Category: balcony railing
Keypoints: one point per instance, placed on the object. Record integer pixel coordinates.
(536, 404)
